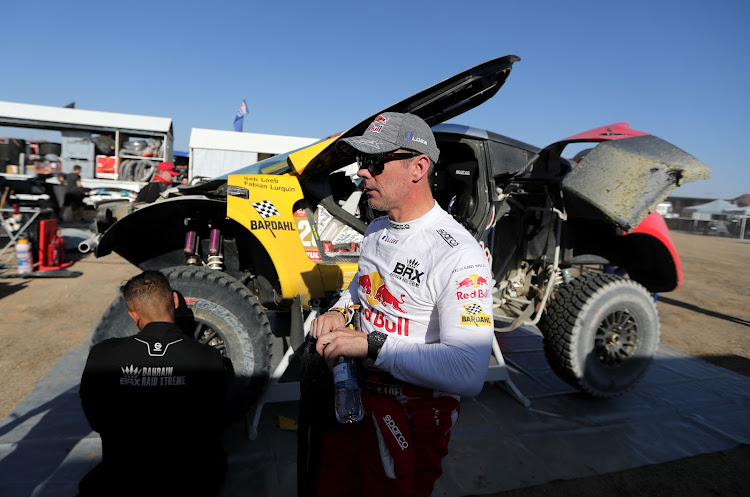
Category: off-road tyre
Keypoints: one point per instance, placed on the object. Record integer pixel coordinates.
(600, 333)
(127, 170)
(219, 311)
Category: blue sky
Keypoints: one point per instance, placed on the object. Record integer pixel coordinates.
(677, 69)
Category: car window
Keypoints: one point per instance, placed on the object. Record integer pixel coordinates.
(273, 165)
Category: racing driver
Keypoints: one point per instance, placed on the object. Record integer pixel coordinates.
(426, 309)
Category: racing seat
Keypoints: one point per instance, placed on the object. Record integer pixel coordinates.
(455, 188)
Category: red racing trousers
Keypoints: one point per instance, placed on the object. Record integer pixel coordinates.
(396, 450)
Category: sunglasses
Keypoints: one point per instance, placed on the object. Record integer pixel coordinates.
(376, 163)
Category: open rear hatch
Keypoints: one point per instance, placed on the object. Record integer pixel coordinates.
(626, 179)
(435, 105)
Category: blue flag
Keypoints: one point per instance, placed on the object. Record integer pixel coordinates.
(240, 116)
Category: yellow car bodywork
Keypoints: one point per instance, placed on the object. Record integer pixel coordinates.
(269, 214)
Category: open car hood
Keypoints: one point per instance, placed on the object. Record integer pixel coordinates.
(435, 105)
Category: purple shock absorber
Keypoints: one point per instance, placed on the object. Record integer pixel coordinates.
(190, 238)
(213, 243)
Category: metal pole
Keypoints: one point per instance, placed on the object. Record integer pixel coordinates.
(742, 228)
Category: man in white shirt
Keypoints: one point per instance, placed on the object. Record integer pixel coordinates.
(424, 287)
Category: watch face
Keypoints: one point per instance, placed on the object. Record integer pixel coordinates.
(375, 341)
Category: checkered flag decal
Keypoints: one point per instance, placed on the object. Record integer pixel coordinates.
(474, 309)
(265, 208)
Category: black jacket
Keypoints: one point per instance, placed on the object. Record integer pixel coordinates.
(151, 192)
(157, 399)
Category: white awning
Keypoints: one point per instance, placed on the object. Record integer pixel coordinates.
(60, 118)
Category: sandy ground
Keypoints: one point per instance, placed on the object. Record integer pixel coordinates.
(41, 319)
(708, 317)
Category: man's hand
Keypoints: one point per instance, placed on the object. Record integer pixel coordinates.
(342, 342)
(326, 323)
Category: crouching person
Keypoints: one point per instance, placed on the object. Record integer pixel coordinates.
(158, 401)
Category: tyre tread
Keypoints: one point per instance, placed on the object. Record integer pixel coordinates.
(560, 327)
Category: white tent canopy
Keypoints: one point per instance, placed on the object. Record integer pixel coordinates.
(715, 207)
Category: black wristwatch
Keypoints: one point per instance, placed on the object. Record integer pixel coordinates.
(375, 341)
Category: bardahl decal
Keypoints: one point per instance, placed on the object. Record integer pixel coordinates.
(265, 209)
(475, 316)
(272, 225)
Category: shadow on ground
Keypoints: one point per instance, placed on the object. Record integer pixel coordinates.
(707, 312)
(682, 408)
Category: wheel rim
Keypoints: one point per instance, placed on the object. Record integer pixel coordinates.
(616, 338)
(204, 333)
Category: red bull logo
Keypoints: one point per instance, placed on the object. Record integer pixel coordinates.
(381, 322)
(377, 125)
(471, 281)
(377, 293)
(365, 283)
(385, 297)
(471, 287)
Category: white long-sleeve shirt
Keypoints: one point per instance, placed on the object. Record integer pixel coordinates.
(427, 285)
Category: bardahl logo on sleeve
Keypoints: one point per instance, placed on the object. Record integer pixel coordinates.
(476, 316)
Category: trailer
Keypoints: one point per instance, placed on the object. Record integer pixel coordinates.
(113, 150)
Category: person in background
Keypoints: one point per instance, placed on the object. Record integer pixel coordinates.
(158, 401)
(426, 311)
(162, 180)
(74, 193)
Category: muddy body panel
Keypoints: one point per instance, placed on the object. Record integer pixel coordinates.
(624, 180)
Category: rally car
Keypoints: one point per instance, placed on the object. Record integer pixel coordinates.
(257, 252)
